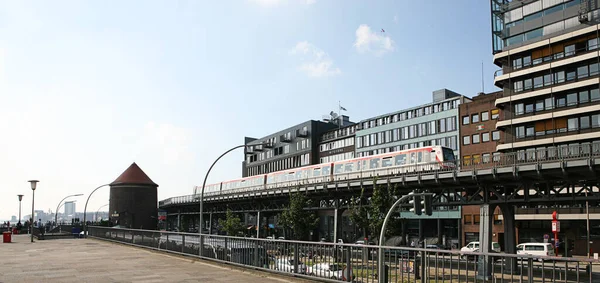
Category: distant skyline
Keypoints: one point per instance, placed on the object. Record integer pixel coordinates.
(88, 87)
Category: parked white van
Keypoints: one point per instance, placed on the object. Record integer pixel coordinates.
(536, 249)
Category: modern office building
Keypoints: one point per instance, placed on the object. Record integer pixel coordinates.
(429, 124)
(69, 208)
(435, 123)
(549, 55)
(337, 144)
(290, 148)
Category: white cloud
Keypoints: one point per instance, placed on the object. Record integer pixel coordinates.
(396, 19)
(369, 41)
(272, 3)
(317, 63)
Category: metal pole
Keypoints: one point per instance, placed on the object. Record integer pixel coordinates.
(85, 209)
(202, 195)
(32, 214)
(380, 265)
(587, 216)
(20, 199)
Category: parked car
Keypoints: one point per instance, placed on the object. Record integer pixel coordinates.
(472, 246)
(287, 265)
(332, 271)
(536, 249)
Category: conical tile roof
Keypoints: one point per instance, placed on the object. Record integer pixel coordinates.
(133, 176)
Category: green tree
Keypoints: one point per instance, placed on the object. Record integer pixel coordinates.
(297, 219)
(368, 213)
(232, 224)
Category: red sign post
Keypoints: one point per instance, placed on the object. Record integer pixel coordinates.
(555, 229)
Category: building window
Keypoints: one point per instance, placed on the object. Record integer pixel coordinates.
(495, 114)
(485, 116)
(573, 124)
(465, 120)
(468, 219)
(476, 219)
(485, 137)
(475, 118)
(475, 138)
(466, 140)
(485, 158)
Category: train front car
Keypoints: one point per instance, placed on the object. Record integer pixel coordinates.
(446, 158)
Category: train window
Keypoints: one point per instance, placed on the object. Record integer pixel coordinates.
(374, 164)
(420, 157)
(349, 167)
(298, 175)
(291, 176)
(413, 157)
(338, 169)
(316, 172)
(326, 170)
(426, 156)
(448, 154)
(386, 162)
(400, 159)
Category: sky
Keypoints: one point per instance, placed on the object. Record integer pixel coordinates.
(89, 87)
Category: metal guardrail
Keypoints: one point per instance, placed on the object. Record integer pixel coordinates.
(359, 263)
(561, 153)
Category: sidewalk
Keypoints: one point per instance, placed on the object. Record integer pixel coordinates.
(88, 260)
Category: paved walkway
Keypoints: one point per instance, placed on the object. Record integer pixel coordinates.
(88, 260)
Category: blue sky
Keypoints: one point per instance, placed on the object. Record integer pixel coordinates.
(88, 87)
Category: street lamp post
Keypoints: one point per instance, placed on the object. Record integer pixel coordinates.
(20, 199)
(85, 209)
(202, 195)
(96, 215)
(58, 207)
(587, 214)
(33, 185)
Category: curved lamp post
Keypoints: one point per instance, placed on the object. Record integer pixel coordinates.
(202, 191)
(58, 207)
(33, 186)
(96, 215)
(381, 265)
(85, 209)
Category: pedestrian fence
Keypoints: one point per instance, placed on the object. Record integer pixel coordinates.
(359, 263)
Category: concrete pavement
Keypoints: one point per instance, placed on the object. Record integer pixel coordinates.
(88, 260)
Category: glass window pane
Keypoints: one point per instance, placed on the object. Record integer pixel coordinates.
(475, 138)
(549, 103)
(570, 76)
(582, 72)
(571, 99)
(538, 82)
(496, 135)
(584, 122)
(485, 137)
(539, 105)
(548, 80)
(593, 69)
(596, 120)
(528, 84)
(573, 124)
(559, 77)
(485, 116)
(594, 94)
(584, 97)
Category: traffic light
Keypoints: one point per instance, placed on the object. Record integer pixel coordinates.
(417, 204)
(427, 200)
